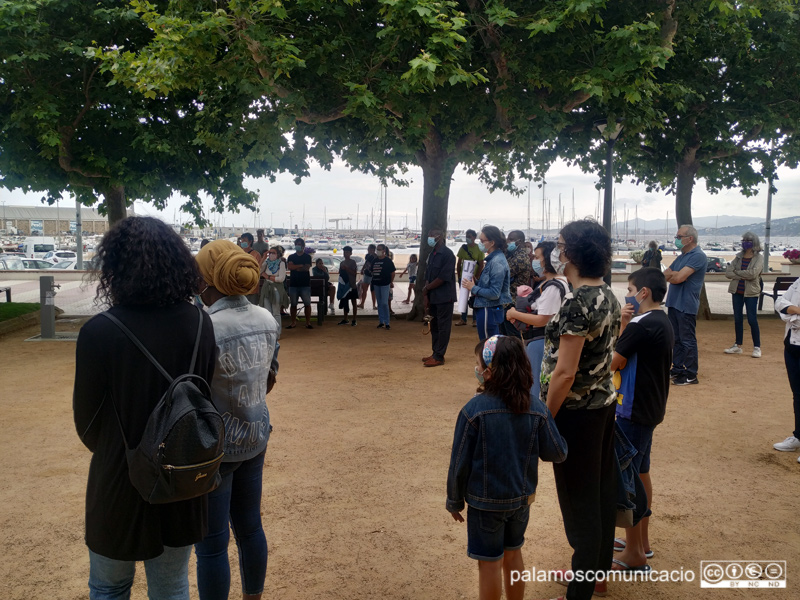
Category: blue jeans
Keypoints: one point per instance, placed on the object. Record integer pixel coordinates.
(641, 436)
(751, 304)
(488, 319)
(535, 351)
(684, 353)
(492, 532)
(382, 298)
(167, 576)
(238, 499)
(792, 360)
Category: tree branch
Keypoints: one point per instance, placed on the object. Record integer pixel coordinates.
(752, 134)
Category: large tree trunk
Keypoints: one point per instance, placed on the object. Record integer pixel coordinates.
(686, 171)
(114, 200)
(437, 171)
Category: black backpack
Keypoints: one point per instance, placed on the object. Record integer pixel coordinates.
(182, 446)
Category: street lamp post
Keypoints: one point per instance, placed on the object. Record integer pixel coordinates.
(610, 136)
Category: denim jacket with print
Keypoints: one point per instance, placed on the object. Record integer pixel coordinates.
(246, 337)
(492, 288)
(494, 464)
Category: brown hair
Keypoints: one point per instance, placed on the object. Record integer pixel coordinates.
(511, 378)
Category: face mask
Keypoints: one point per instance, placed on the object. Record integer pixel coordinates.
(512, 246)
(747, 244)
(244, 245)
(431, 242)
(634, 301)
(555, 258)
(381, 254)
(479, 376)
(298, 249)
(481, 247)
(679, 243)
(537, 266)
(470, 241)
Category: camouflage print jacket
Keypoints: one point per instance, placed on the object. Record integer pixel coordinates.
(591, 312)
(519, 265)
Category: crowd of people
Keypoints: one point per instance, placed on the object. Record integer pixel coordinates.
(564, 374)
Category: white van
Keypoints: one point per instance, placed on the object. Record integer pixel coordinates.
(37, 247)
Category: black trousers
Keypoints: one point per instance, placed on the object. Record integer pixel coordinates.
(586, 486)
(441, 325)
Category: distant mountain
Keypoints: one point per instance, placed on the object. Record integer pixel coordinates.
(788, 227)
(658, 225)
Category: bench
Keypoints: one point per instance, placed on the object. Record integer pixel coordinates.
(319, 297)
(7, 290)
(781, 285)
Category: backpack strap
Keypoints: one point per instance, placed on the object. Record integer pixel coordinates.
(146, 352)
(139, 344)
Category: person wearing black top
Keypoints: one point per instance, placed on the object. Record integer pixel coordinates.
(299, 266)
(642, 358)
(439, 294)
(383, 281)
(148, 276)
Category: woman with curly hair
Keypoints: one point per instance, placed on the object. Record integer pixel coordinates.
(148, 277)
(577, 385)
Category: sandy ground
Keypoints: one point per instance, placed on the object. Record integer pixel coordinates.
(354, 482)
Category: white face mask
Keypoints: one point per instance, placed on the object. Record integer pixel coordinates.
(555, 259)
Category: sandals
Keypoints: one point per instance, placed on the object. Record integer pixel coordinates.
(290, 326)
(461, 323)
(626, 567)
(619, 546)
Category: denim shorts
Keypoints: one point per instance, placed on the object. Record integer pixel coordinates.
(641, 436)
(303, 292)
(412, 279)
(492, 532)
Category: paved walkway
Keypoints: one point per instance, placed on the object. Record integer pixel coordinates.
(78, 298)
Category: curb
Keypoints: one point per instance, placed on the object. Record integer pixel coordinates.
(24, 321)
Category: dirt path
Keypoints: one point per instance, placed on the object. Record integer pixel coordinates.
(354, 481)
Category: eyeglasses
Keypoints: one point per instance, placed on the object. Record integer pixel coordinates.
(561, 245)
(678, 235)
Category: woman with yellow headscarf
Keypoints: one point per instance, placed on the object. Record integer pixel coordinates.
(246, 337)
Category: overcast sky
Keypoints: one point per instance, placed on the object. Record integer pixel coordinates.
(345, 194)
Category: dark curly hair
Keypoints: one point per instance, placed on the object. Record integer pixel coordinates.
(144, 262)
(588, 247)
(511, 378)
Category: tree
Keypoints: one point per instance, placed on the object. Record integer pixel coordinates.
(730, 92)
(67, 128)
(392, 83)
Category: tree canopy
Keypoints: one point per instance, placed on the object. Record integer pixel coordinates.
(729, 100)
(67, 128)
(390, 83)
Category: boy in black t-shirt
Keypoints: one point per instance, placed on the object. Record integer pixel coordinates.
(642, 359)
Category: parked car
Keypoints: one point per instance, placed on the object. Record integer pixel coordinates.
(330, 262)
(36, 263)
(59, 255)
(64, 265)
(716, 264)
(11, 264)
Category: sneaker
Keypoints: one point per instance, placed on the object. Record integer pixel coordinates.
(353, 323)
(790, 444)
(756, 352)
(381, 326)
(687, 380)
(388, 327)
(735, 349)
(678, 379)
(343, 322)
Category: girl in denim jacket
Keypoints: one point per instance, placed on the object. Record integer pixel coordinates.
(500, 435)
